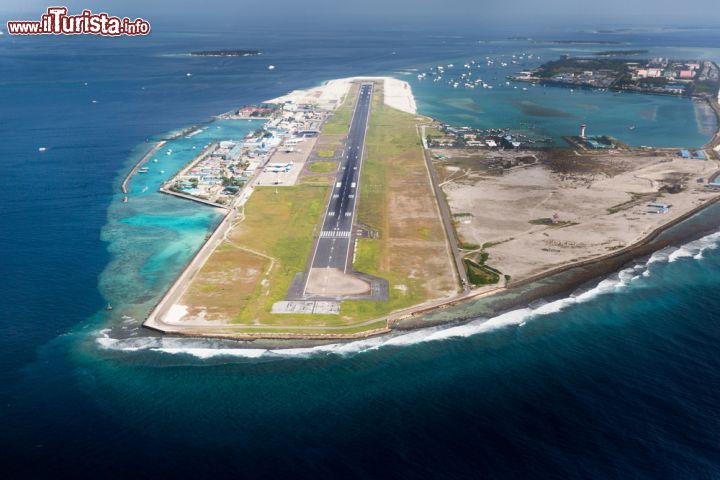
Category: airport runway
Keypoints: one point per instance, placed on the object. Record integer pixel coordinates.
(333, 249)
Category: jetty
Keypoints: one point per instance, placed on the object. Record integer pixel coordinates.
(151, 152)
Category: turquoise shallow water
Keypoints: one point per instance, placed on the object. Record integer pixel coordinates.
(153, 236)
(618, 381)
(549, 111)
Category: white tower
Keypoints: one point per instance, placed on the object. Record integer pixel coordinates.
(582, 130)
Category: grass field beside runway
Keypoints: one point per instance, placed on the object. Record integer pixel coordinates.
(396, 200)
(255, 267)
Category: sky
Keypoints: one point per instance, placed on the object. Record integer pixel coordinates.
(480, 12)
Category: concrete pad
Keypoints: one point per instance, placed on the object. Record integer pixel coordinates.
(327, 308)
(293, 307)
(306, 307)
(298, 156)
(333, 282)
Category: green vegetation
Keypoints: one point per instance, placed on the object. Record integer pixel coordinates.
(579, 65)
(618, 53)
(541, 221)
(653, 82)
(636, 199)
(256, 265)
(487, 245)
(267, 215)
(235, 283)
(480, 274)
(410, 251)
(550, 223)
(326, 153)
(323, 167)
(705, 88)
(339, 123)
(232, 182)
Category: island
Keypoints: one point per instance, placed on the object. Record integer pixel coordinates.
(225, 53)
(699, 78)
(586, 42)
(348, 215)
(619, 53)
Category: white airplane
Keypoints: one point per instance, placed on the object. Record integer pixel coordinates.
(279, 167)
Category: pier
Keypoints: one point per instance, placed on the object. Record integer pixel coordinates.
(158, 145)
(140, 163)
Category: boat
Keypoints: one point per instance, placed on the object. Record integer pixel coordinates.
(42, 149)
(108, 307)
(632, 127)
(271, 67)
(143, 170)
(125, 199)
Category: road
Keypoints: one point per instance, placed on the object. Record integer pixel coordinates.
(446, 218)
(333, 248)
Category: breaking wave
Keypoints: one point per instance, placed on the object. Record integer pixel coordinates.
(212, 348)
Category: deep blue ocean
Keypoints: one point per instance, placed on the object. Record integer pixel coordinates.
(618, 380)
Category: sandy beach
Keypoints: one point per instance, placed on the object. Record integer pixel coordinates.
(329, 96)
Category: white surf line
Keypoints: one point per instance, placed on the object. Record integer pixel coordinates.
(208, 348)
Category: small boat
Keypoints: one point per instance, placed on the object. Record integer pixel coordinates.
(125, 199)
(42, 149)
(271, 67)
(108, 307)
(632, 127)
(143, 170)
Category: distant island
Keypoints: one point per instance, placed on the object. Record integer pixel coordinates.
(619, 53)
(225, 53)
(587, 42)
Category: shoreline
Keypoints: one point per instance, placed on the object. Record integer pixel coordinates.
(411, 318)
(714, 142)
(612, 262)
(405, 319)
(151, 152)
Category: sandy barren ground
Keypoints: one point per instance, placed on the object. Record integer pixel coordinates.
(600, 203)
(397, 94)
